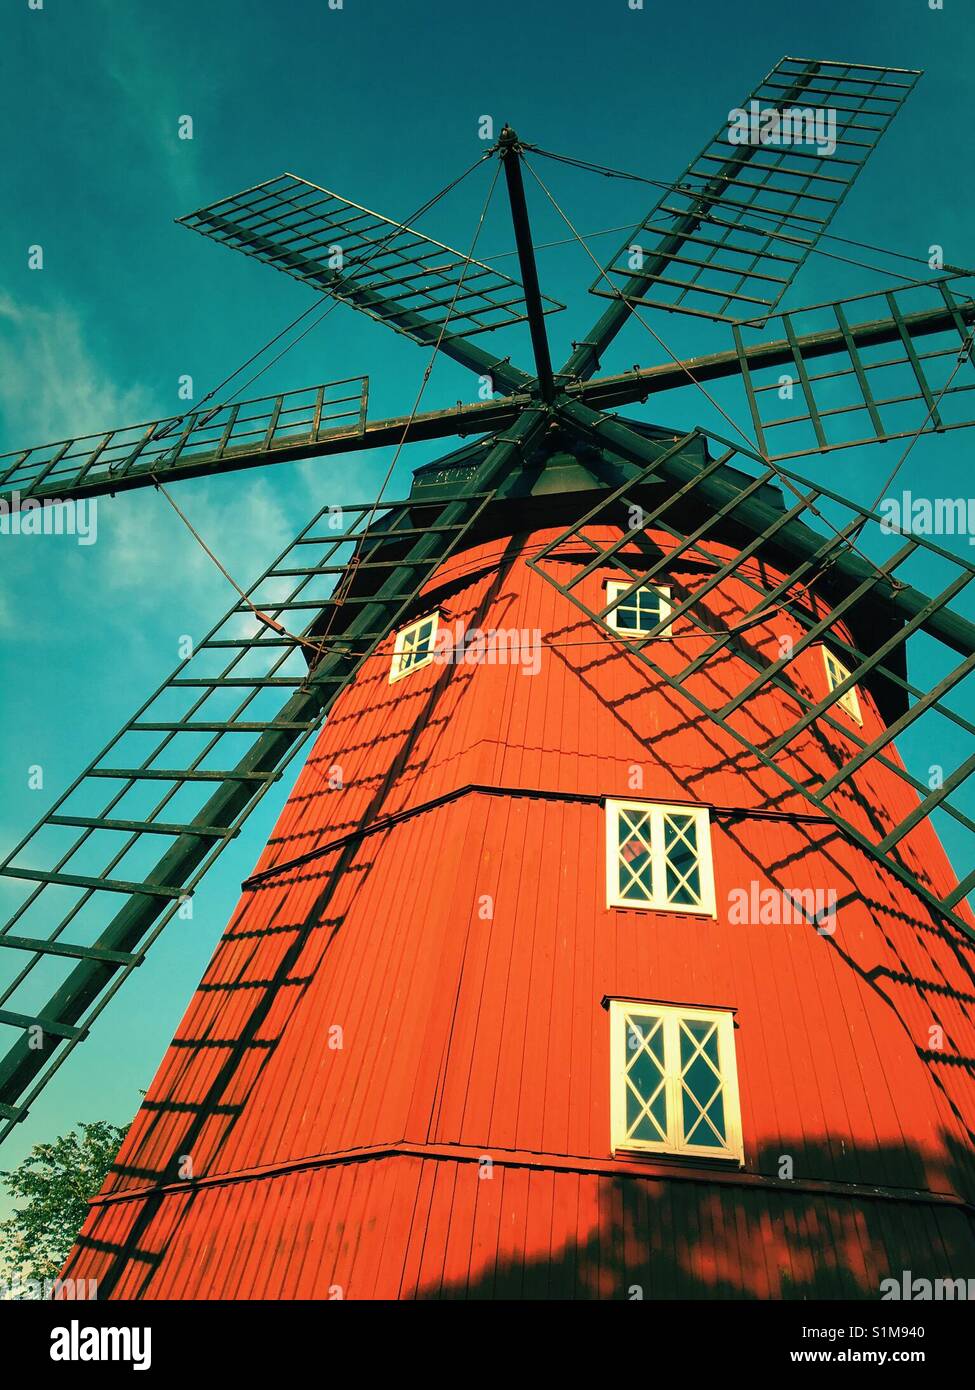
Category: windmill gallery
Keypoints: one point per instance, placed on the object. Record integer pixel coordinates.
(481, 1023)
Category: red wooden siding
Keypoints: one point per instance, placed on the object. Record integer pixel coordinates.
(360, 1166)
(406, 1226)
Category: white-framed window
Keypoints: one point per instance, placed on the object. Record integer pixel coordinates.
(674, 1081)
(414, 646)
(659, 857)
(836, 673)
(639, 612)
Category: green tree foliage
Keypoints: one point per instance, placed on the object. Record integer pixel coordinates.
(53, 1184)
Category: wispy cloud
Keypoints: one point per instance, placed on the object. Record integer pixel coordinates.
(52, 384)
(144, 544)
(153, 96)
(146, 575)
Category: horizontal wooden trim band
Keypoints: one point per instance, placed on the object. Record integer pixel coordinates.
(536, 793)
(633, 1168)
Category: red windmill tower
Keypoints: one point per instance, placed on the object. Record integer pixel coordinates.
(605, 947)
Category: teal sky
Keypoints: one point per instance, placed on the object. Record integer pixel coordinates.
(379, 101)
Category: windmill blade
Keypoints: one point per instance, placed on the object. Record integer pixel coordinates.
(850, 339)
(418, 286)
(197, 757)
(211, 440)
(874, 638)
(754, 514)
(727, 240)
(186, 771)
(312, 422)
(889, 365)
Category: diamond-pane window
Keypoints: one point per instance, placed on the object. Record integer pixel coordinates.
(639, 612)
(659, 857)
(836, 674)
(702, 1106)
(674, 1080)
(646, 1098)
(414, 646)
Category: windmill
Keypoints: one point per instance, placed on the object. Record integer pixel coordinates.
(714, 549)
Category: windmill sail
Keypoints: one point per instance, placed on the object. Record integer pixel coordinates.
(417, 285)
(190, 766)
(212, 439)
(753, 634)
(730, 236)
(889, 364)
(818, 378)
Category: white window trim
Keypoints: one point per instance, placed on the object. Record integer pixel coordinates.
(614, 587)
(849, 701)
(727, 1066)
(396, 671)
(658, 901)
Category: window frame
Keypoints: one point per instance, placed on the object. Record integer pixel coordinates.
(396, 670)
(611, 618)
(675, 1144)
(849, 701)
(658, 810)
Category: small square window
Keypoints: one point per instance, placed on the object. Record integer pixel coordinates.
(836, 673)
(659, 857)
(414, 646)
(639, 612)
(674, 1081)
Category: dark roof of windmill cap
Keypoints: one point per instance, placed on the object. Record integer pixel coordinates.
(562, 463)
